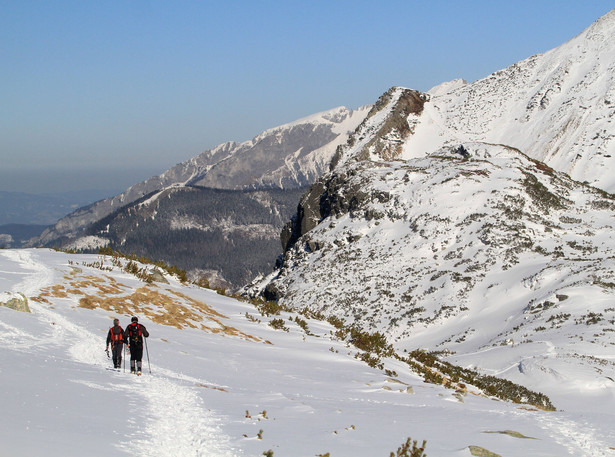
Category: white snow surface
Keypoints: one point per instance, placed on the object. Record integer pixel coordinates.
(223, 384)
(87, 242)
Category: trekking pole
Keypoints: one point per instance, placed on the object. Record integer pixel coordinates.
(147, 352)
(124, 358)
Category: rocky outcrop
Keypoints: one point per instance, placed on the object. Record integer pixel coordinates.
(333, 195)
(388, 141)
(382, 134)
(157, 276)
(16, 301)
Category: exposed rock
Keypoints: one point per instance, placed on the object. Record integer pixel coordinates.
(333, 195)
(514, 434)
(401, 109)
(16, 301)
(388, 142)
(272, 292)
(482, 452)
(157, 276)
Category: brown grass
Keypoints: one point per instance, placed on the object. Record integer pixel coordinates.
(161, 306)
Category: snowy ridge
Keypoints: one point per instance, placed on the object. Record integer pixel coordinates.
(340, 118)
(289, 156)
(557, 107)
(226, 384)
(481, 253)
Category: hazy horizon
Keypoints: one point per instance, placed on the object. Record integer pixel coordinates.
(89, 89)
(103, 180)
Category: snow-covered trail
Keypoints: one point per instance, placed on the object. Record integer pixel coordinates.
(169, 418)
(176, 424)
(575, 434)
(579, 438)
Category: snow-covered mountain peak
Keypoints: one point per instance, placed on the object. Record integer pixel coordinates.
(446, 87)
(602, 30)
(382, 133)
(285, 157)
(463, 251)
(558, 107)
(459, 220)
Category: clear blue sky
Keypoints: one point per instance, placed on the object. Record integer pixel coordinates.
(93, 87)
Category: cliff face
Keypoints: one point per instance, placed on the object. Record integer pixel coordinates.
(381, 136)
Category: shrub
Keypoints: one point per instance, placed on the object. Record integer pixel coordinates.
(268, 307)
(370, 342)
(405, 450)
(132, 268)
(278, 324)
(440, 372)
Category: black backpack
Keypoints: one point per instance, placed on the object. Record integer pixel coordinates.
(134, 332)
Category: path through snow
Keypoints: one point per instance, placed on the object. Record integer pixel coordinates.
(170, 420)
(579, 438)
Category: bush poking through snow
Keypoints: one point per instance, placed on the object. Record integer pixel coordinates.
(141, 273)
(410, 449)
(449, 375)
(278, 324)
(268, 307)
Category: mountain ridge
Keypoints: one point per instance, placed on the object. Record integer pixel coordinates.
(235, 166)
(466, 221)
(557, 107)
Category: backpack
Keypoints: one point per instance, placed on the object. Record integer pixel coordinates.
(134, 331)
(116, 337)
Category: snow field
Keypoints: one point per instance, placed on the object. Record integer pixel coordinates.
(215, 395)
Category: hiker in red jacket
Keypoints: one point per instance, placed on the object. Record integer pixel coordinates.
(115, 338)
(134, 337)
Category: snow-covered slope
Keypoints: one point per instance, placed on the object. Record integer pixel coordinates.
(442, 227)
(225, 383)
(290, 156)
(466, 251)
(557, 107)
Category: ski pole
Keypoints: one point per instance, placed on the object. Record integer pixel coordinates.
(124, 358)
(147, 352)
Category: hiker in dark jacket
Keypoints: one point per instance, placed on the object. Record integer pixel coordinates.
(115, 338)
(134, 337)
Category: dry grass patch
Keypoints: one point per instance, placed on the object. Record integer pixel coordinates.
(161, 306)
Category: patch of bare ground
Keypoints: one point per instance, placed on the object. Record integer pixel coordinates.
(161, 306)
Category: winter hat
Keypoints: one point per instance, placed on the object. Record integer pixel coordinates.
(134, 319)
(116, 321)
